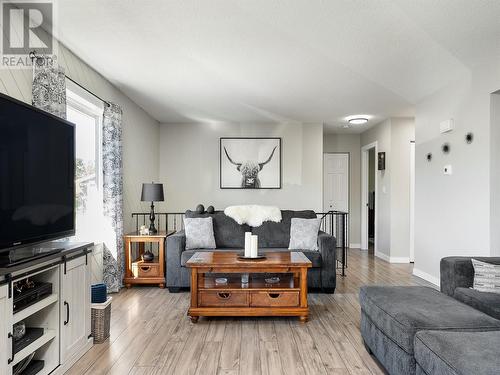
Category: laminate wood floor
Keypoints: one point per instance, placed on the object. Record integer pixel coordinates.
(151, 334)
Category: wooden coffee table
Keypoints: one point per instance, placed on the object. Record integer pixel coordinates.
(288, 297)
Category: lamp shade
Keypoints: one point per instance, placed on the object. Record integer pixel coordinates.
(152, 193)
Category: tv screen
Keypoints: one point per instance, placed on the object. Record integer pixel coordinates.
(37, 184)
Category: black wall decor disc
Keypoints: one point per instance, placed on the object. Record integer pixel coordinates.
(469, 138)
(429, 157)
(445, 148)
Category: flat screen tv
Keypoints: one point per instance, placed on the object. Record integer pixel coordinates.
(37, 183)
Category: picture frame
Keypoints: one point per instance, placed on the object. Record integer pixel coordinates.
(250, 162)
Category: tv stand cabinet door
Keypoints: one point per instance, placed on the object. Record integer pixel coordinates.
(5, 329)
(75, 308)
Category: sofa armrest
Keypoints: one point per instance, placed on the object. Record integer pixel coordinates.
(458, 272)
(327, 246)
(176, 244)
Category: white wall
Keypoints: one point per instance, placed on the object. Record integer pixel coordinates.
(453, 214)
(350, 143)
(140, 131)
(189, 165)
(392, 209)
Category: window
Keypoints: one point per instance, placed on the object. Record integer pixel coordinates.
(86, 112)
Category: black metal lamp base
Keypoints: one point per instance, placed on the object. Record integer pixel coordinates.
(148, 256)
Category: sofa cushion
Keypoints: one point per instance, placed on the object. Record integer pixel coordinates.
(488, 303)
(199, 233)
(273, 234)
(304, 234)
(486, 276)
(313, 256)
(458, 353)
(228, 233)
(401, 311)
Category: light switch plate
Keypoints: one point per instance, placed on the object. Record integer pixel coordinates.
(447, 170)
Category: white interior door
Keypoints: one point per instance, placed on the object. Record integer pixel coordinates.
(336, 182)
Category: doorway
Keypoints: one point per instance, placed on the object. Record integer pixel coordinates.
(369, 197)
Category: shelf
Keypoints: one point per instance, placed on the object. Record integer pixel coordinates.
(47, 336)
(287, 283)
(30, 310)
(140, 262)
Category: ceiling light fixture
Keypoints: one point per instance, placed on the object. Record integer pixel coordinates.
(358, 120)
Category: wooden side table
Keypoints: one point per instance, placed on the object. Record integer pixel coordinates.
(136, 270)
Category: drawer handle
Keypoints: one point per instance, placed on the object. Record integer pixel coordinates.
(274, 295)
(145, 268)
(224, 295)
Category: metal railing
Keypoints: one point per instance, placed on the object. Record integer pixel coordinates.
(334, 223)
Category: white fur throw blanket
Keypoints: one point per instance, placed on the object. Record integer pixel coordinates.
(253, 215)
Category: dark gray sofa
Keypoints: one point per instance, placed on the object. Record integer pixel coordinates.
(230, 236)
(419, 330)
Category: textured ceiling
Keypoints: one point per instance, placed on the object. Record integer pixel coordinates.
(264, 61)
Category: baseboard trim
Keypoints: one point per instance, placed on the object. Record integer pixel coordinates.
(427, 277)
(399, 259)
(355, 245)
(390, 259)
(382, 256)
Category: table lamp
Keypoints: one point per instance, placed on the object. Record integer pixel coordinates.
(152, 193)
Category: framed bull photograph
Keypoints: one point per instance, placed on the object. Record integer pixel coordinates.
(250, 163)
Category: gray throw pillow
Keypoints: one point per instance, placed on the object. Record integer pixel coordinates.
(304, 234)
(486, 277)
(199, 233)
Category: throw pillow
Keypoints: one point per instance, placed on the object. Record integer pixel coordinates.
(486, 277)
(304, 234)
(199, 233)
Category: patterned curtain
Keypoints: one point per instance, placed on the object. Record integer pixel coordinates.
(49, 87)
(113, 262)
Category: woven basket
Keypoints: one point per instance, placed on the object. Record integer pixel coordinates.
(101, 320)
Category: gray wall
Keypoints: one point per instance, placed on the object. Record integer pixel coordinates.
(140, 131)
(456, 215)
(402, 133)
(350, 143)
(381, 133)
(189, 165)
(393, 187)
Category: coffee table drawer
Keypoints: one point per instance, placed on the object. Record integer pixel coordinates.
(274, 299)
(222, 298)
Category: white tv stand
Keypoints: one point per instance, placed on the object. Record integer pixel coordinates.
(64, 315)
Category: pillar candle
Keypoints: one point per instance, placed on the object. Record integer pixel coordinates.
(255, 246)
(248, 244)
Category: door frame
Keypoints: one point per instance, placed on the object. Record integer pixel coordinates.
(412, 201)
(364, 195)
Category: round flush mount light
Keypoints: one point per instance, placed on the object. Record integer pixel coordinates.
(358, 120)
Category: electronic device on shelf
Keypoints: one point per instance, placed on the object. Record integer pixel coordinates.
(29, 366)
(32, 334)
(23, 255)
(27, 292)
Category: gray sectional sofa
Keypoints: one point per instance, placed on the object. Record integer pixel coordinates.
(419, 330)
(230, 236)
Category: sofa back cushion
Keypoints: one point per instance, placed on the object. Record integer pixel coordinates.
(228, 233)
(273, 234)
